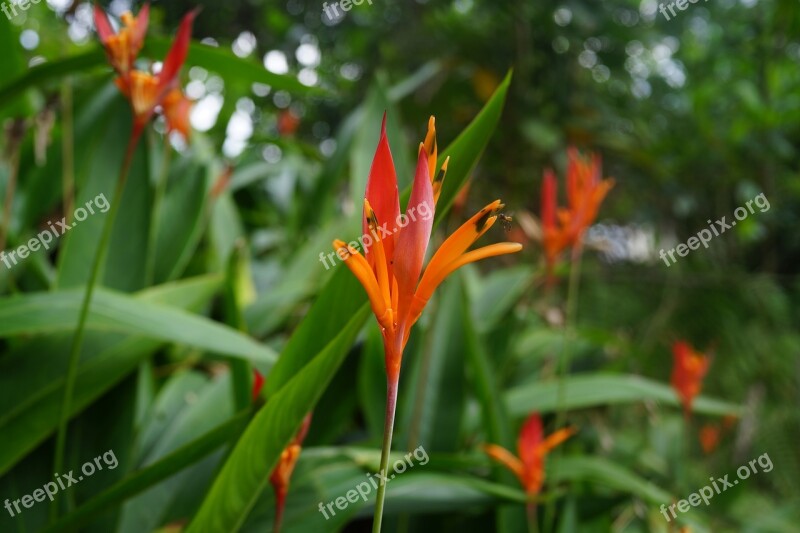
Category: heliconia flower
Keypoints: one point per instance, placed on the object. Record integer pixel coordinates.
(258, 384)
(122, 47)
(709, 437)
(145, 91)
(288, 123)
(283, 471)
(532, 448)
(688, 370)
(176, 108)
(391, 266)
(564, 227)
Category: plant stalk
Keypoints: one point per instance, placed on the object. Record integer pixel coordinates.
(77, 339)
(563, 367)
(388, 430)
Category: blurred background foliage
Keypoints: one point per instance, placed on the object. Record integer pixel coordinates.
(693, 117)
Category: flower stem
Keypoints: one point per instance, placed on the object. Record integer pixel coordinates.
(388, 430)
(280, 503)
(530, 511)
(77, 339)
(563, 367)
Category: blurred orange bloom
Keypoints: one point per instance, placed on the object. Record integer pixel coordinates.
(688, 370)
(283, 471)
(176, 112)
(145, 91)
(288, 123)
(564, 227)
(122, 47)
(709, 438)
(390, 268)
(532, 448)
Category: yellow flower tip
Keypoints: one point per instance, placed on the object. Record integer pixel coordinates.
(128, 19)
(338, 245)
(446, 162)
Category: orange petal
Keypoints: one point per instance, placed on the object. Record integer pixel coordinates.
(456, 244)
(362, 271)
(506, 458)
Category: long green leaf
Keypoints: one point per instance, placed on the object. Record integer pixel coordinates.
(142, 479)
(602, 389)
(40, 313)
(246, 472)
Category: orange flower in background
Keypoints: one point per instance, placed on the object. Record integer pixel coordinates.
(688, 370)
(709, 437)
(258, 384)
(288, 123)
(564, 227)
(122, 47)
(390, 268)
(283, 471)
(145, 91)
(532, 448)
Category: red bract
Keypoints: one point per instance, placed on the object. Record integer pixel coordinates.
(688, 370)
(532, 448)
(283, 471)
(146, 92)
(564, 227)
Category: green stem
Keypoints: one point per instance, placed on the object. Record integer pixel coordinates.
(388, 430)
(530, 511)
(77, 339)
(67, 149)
(158, 199)
(563, 367)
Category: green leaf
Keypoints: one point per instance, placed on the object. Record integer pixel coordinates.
(230, 66)
(246, 472)
(39, 313)
(435, 394)
(604, 389)
(603, 472)
(30, 390)
(140, 480)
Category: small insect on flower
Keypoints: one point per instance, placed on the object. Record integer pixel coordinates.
(505, 221)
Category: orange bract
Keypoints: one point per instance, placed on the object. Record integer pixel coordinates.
(564, 227)
(122, 47)
(532, 448)
(392, 263)
(145, 91)
(688, 370)
(176, 112)
(282, 473)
